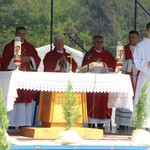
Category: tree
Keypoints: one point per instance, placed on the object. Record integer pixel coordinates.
(81, 18)
(70, 108)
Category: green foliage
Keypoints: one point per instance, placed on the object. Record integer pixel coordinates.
(84, 18)
(4, 144)
(70, 108)
(141, 108)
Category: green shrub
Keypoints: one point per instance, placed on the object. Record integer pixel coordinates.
(4, 144)
(141, 108)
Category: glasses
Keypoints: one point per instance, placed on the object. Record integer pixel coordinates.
(98, 41)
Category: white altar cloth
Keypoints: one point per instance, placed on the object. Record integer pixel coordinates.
(117, 85)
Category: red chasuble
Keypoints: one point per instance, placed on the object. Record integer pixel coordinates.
(0, 60)
(51, 58)
(97, 102)
(28, 49)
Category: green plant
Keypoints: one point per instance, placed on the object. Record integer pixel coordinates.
(70, 108)
(4, 144)
(141, 108)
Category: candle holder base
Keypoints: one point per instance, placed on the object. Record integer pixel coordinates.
(17, 68)
(118, 70)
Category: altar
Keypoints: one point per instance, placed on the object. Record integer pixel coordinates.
(117, 85)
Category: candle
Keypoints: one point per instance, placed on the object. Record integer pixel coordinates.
(17, 51)
(119, 56)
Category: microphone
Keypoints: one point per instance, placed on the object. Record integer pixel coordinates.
(74, 37)
(66, 34)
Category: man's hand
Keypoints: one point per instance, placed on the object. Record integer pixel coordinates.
(25, 59)
(62, 60)
(99, 60)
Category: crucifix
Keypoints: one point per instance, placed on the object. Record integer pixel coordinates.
(70, 56)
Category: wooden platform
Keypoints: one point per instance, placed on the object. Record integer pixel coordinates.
(114, 139)
(54, 132)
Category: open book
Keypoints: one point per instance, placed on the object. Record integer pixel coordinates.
(95, 67)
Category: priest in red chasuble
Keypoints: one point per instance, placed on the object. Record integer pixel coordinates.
(21, 114)
(58, 60)
(98, 112)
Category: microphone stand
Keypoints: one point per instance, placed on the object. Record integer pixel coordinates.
(71, 38)
(88, 59)
(83, 50)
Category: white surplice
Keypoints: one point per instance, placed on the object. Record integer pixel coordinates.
(141, 59)
(123, 116)
(21, 115)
